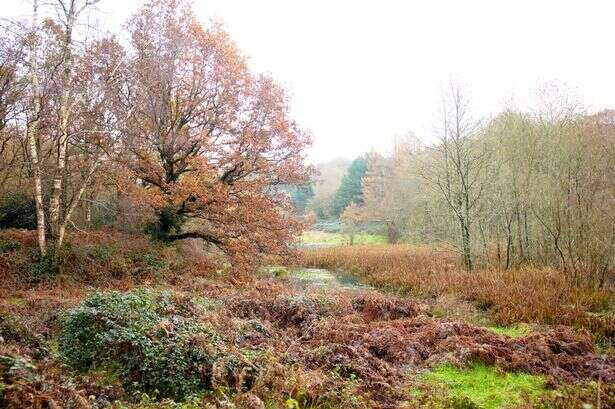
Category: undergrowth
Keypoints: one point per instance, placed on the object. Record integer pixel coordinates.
(327, 238)
(585, 395)
(529, 294)
(87, 338)
(93, 258)
(146, 338)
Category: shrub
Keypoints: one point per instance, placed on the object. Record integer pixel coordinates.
(279, 272)
(102, 253)
(91, 257)
(321, 238)
(14, 370)
(17, 211)
(44, 266)
(147, 262)
(141, 336)
(328, 225)
(580, 395)
(168, 221)
(9, 245)
(11, 330)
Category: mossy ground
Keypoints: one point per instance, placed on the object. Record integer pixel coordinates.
(513, 331)
(484, 386)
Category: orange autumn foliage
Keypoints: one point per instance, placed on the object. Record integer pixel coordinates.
(205, 136)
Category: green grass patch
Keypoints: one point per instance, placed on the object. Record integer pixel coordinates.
(339, 239)
(279, 271)
(485, 386)
(513, 331)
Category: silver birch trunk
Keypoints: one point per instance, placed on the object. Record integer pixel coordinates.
(31, 135)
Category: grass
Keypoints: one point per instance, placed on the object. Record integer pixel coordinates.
(278, 271)
(339, 239)
(513, 331)
(529, 294)
(485, 386)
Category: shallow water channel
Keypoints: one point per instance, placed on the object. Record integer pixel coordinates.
(322, 278)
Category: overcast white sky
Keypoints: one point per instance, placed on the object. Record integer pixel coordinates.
(361, 71)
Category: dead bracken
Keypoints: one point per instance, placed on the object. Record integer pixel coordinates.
(382, 339)
(276, 340)
(372, 341)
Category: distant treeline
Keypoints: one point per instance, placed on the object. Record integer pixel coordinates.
(521, 187)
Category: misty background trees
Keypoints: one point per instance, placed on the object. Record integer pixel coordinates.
(520, 187)
(350, 189)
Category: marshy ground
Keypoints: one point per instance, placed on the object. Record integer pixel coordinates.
(286, 338)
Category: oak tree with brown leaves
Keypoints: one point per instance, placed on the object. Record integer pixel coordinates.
(205, 140)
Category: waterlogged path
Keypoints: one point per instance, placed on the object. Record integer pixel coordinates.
(321, 278)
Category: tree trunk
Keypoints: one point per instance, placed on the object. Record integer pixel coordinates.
(38, 188)
(392, 233)
(508, 250)
(465, 248)
(519, 234)
(73, 205)
(88, 209)
(31, 135)
(56, 192)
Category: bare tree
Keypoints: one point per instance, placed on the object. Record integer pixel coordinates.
(460, 162)
(69, 12)
(32, 129)
(11, 93)
(56, 116)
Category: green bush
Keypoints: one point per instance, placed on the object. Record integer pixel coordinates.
(12, 330)
(279, 272)
(141, 337)
(46, 266)
(9, 245)
(168, 221)
(102, 252)
(17, 211)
